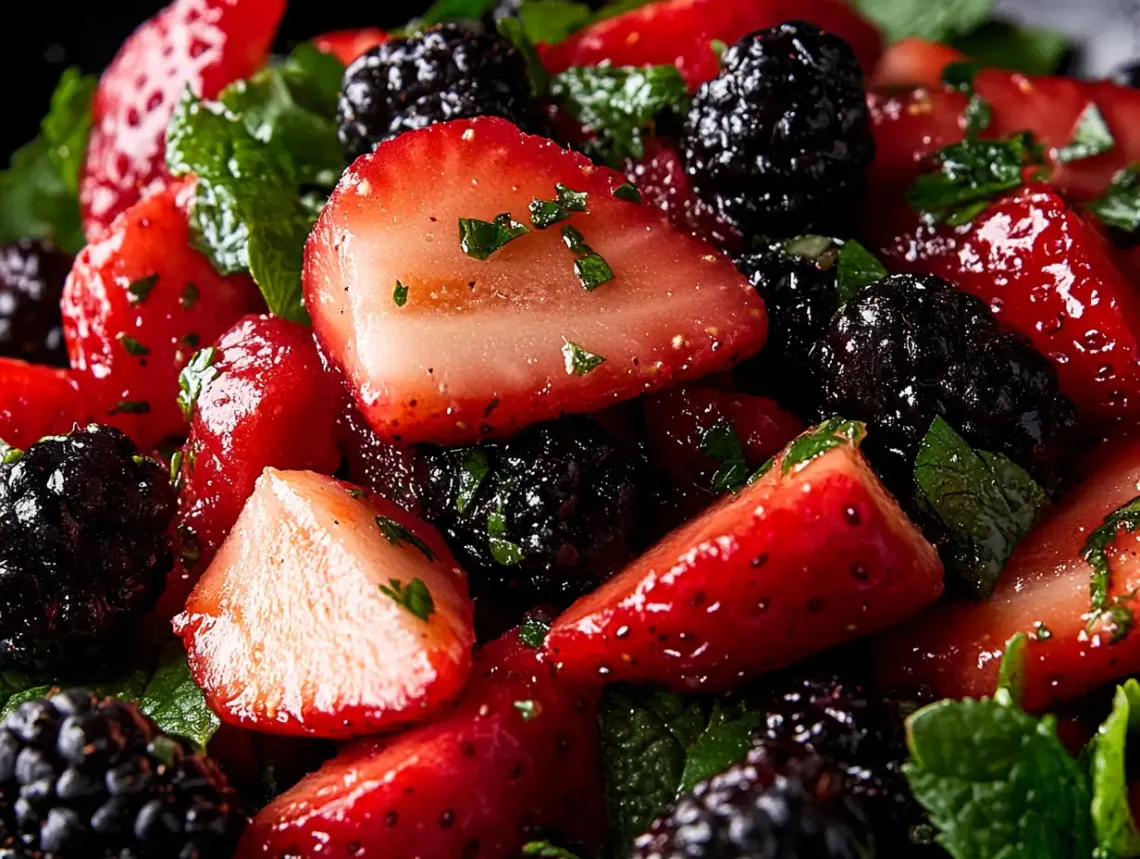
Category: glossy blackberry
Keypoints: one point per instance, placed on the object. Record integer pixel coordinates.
(908, 349)
(444, 74)
(84, 779)
(32, 274)
(83, 547)
(542, 517)
(797, 808)
(779, 142)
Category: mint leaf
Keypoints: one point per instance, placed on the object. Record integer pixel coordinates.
(547, 850)
(720, 443)
(415, 597)
(832, 433)
(997, 782)
(551, 21)
(1004, 45)
(1119, 205)
(68, 125)
(513, 31)
(725, 740)
(1116, 832)
(1090, 137)
(579, 361)
(395, 534)
(479, 239)
(856, 268)
(621, 106)
(985, 502)
(532, 632)
(1011, 671)
(175, 702)
(936, 21)
(194, 378)
(451, 10)
(473, 470)
(1095, 553)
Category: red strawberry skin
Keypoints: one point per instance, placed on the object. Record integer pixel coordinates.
(520, 754)
(347, 45)
(36, 401)
(682, 32)
(1047, 272)
(200, 44)
(955, 649)
(913, 62)
(114, 309)
(290, 632)
(793, 564)
(479, 348)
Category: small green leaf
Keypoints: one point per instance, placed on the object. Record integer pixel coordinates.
(505, 552)
(856, 268)
(546, 850)
(579, 361)
(473, 470)
(593, 271)
(1091, 136)
(130, 407)
(832, 433)
(810, 247)
(1095, 553)
(175, 702)
(722, 744)
(1011, 672)
(133, 346)
(514, 32)
(546, 213)
(552, 21)
(528, 709)
(1004, 45)
(533, 632)
(1117, 834)
(138, 290)
(720, 443)
(1119, 205)
(195, 376)
(935, 21)
(480, 239)
(416, 597)
(400, 294)
(395, 533)
(628, 193)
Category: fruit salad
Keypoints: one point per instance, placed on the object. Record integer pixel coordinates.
(643, 429)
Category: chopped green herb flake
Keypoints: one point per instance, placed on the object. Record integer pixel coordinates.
(546, 213)
(628, 193)
(138, 290)
(189, 550)
(720, 443)
(357, 493)
(1041, 632)
(764, 468)
(1119, 205)
(808, 247)
(130, 407)
(505, 552)
(857, 268)
(533, 632)
(416, 597)
(960, 75)
(546, 850)
(133, 346)
(575, 240)
(480, 239)
(579, 361)
(593, 271)
(528, 709)
(400, 294)
(194, 378)
(569, 199)
(1004, 45)
(515, 30)
(938, 21)
(473, 470)
(176, 469)
(1091, 137)
(189, 297)
(395, 533)
(1011, 671)
(1095, 554)
(9, 454)
(832, 433)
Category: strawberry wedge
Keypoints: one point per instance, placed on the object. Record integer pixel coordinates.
(448, 332)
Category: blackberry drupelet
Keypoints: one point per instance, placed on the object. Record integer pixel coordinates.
(83, 547)
(780, 141)
(550, 517)
(795, 808)
(910, 348)
(444, 74)
(84, 779)
(32, 274)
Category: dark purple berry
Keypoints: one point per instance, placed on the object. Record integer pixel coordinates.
(32, 274)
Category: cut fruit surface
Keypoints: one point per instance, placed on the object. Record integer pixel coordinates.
(36, 401)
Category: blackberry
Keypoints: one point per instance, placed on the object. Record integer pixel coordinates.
(909, 348)
(779, 142)
(32, 274)
(83, 547)
(444, 74)
(96, 779)
(796, 808)
(542, 517)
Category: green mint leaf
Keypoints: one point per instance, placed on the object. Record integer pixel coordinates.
(194, 378)
(513, 30)
(552, 21)
(547, 213)
(579, 361)
(400, 294)
(133, 346)
(1119, 205)
(985, 502)
(1117, 834)
(16, 688)
(720, 443)
(622, 106)
(575, 240)
(764, 468)
(175, 702)
(1003, 45)
(1011, 671)
(979, 113)
(856, 268)
(528, 709)
(473, 470)
(130, 407)
(628, 193)
(1095, 554)
(997, 782)
(451, 10)
(480, 239)
(8, 454)
(547, 850)
(138, 290)
(416, 597)
(725, 741)
(832, 433)
(937, 21)
(505, 552)
(817, 249)
(68, 124)
(395, 533)
(593, 271)
(1091, 136)
(247, 208)
(533, 632)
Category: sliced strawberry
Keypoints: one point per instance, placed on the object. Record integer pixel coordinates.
(477, 347)
(519, 755)
(137, 305)
(955, 649)
(814, 553)
(347, 45)
(329, 614)
(36, 401)
(262, 382)
(200, 44)
(1047, 272)
(683, 33)
(913, 63)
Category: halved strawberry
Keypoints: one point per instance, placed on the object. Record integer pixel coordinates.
(814, 553)
(137, 305)
(328, 613)
(519, 756)
(913, 63)
(955, 649)
(200, 44)
(1047, 272)
(248, 396)
(36, 401)
(439, 345)
(347, 45)
(683, 33)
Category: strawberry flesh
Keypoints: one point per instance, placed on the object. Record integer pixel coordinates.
(36, 401)
(347, 45)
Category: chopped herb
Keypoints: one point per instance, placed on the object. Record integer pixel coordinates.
(857, 268)
(9, 454)
(138, 290)
(832, 433)
(189, 549)
(720, 442)
(569, 199)
(395, 533)
(533, 632)
(936, 21)
(133, 346)
(719, 48)
(1041, 632)
(1011, 671)
(546, 850)
(1091, 136)
(628, 193)
(978, 114)
(504, 551)
(416, 597)
(1108, 754)
(480, 239)
(130, 407)
(575, 240)
(1095, 554)
(189, 297)
(811, 247)
(1119, 205)
(515, 31)
(578, 360)
(194, 378)
(528, 709)
(176, 469)
(547, 213)
(764, 468)
(473, 470)
(593, 271)
(356, 492)
(490, 407)
(400, 294)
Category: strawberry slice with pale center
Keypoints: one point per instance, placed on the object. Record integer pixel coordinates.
(441, 344)
(326, 613)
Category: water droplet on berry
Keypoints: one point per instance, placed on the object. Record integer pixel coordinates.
(1094, 340)
(1105, 373)
(1051, 325)
(852, 516)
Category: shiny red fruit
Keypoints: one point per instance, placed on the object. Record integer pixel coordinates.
(438, 345)
(518, 756)
(36, 401)
(813, 554)
(347, 45)
(683, 33)
(955, 649)
(327, 613)
(139, 302)
(912, 63)
(200, 44)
